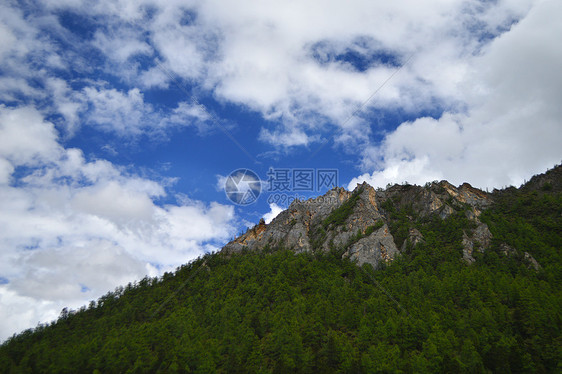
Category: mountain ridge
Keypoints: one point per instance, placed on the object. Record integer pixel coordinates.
(357, 222)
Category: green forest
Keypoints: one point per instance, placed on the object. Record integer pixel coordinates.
(274, 311)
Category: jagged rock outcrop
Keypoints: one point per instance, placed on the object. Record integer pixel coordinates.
(377, 248)
(356, 223)
(527, 258)
(359, 224)
(531, 262)
(481, 238)
(440, 198)
(507, 250)
(549, 181)
(414, 238)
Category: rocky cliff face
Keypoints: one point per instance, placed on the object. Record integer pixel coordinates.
(358, 224)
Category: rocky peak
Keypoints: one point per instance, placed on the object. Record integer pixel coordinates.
(357, 224)
(549, 181)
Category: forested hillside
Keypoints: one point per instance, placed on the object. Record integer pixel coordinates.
(274, 311)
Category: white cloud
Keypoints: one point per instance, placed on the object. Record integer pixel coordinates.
(280, 59)
(24, 47)
(183, 46)
(27, 41)
(120, 45)
(62, 274)
(293, 137)
(114, 202)
(14, 87)
(66, 103)
(21, 312)
(26, 137)
(154, 77)
(267, 60)
(221, 182)
(189, 114)
(6, 170)
(74, 229)
(511, 128)
(7, 39)
(125, 113)
(274, 212)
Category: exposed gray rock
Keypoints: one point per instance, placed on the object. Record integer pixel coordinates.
(481, 237)
(375, 249)
(527, 257)
(549, 181)
(438, 197)
(468, 248)
(473, 196)
(414, 238)
(310, 225)
(446, 211)
(507, 250)
(531, 261)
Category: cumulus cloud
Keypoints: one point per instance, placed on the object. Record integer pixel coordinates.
(113, 110)
(309, 64)
(6, 170)
(73, 229)
(289, 138)
(66, 102)
(274, 212)
(26, 138)
(484, 68)
(120, 45)
(36, 48)
(304, 65)
(24, 46)
(190, 114)
(511, 128)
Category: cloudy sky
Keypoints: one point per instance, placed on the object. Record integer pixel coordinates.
(121, 120)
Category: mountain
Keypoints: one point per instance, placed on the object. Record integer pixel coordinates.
(411, 279)
(374, 226)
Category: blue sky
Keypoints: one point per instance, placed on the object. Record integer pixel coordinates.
(121, 120)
